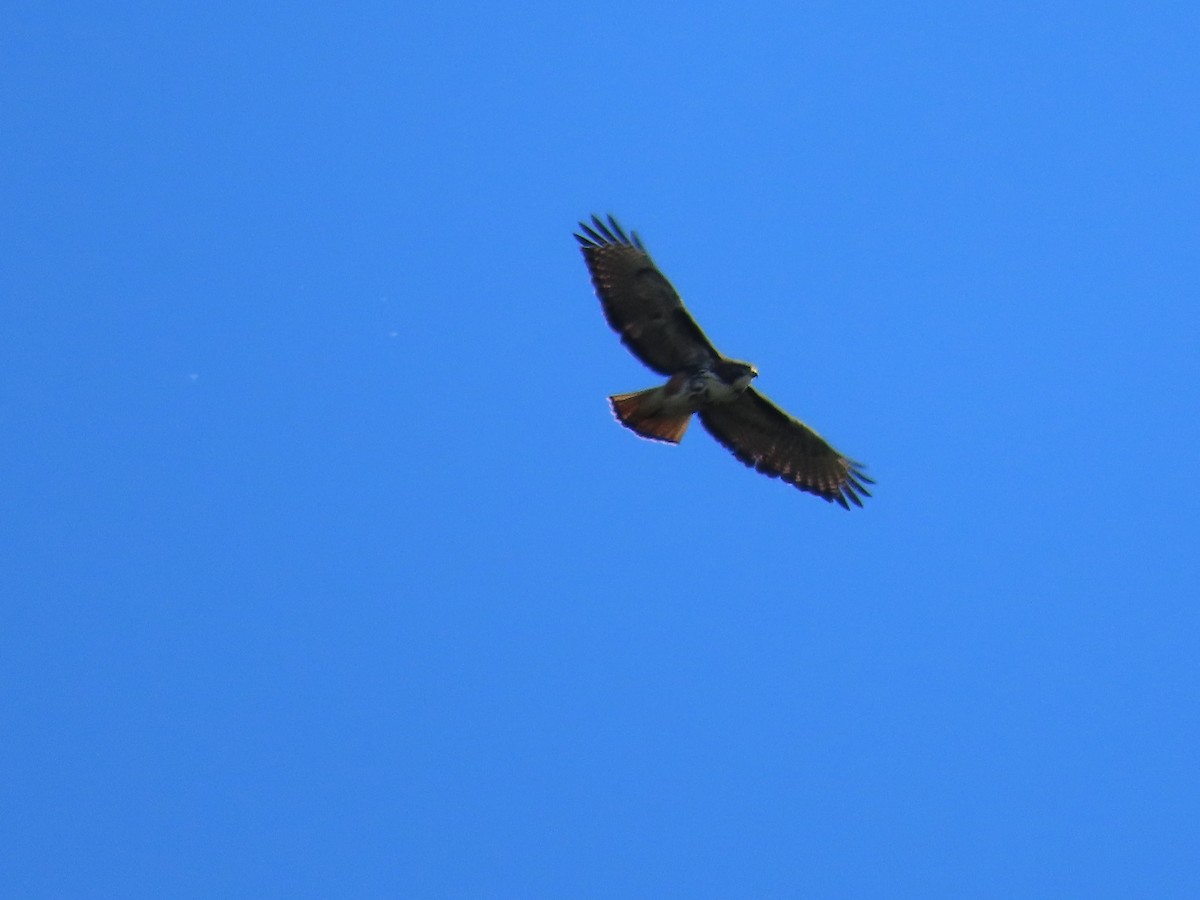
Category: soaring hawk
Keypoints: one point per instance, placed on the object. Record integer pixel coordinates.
(648, 314)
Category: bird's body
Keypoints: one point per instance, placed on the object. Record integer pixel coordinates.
(646, 311)
(662, 413)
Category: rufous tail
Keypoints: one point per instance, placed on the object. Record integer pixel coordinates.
(638, 411)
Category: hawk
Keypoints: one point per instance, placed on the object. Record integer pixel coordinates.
(647, 312)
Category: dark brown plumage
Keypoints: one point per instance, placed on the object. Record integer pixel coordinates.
(647, 312)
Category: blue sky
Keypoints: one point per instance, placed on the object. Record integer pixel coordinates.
(329, 572)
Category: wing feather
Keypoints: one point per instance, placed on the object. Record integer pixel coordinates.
(638, 301)
(767, 439)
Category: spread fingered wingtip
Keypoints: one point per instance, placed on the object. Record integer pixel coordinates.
(855, 485)
(600, 233)
(614, 227)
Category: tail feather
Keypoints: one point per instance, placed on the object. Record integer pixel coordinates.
(639, 410)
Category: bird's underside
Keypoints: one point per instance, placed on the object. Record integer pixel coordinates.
(663, 413)
(648, 314)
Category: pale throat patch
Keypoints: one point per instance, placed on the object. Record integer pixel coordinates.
(707, 386)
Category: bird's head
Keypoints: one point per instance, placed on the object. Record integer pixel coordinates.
(737, 375)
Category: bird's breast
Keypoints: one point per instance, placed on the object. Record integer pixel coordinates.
(705, 386)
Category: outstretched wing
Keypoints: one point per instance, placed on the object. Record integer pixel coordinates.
(639, 302)
(766, 438)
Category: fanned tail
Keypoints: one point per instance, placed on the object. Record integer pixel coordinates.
(640, 412)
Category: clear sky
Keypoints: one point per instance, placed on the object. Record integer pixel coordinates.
(328, 572)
